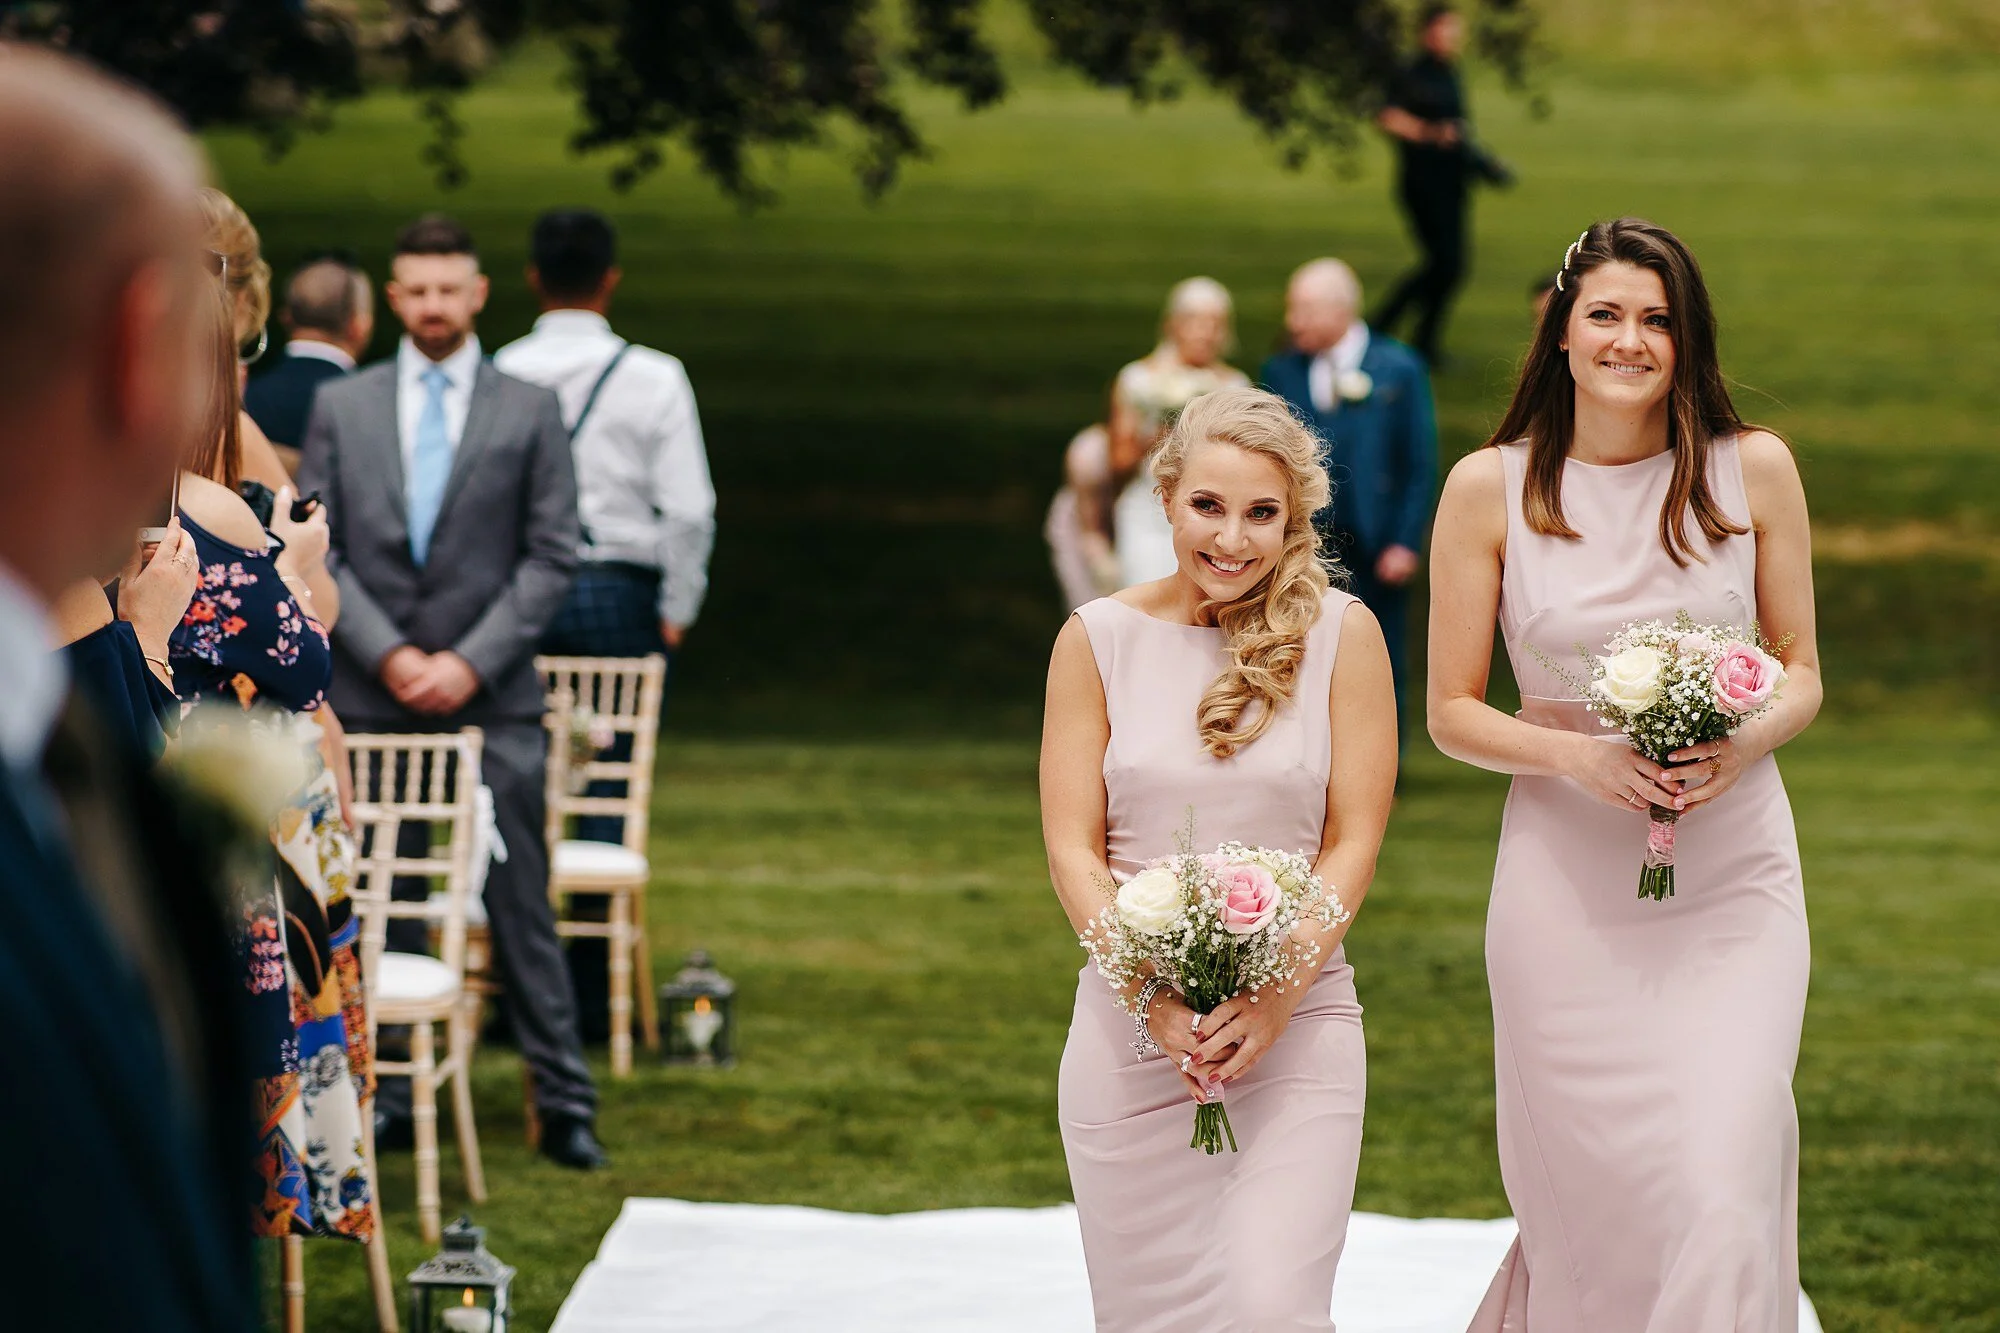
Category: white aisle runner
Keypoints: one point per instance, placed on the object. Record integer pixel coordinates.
(668, 1266)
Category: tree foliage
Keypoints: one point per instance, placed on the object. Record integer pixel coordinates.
(723, 79)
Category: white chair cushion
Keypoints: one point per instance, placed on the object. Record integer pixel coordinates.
(412, 978)
(577, 860)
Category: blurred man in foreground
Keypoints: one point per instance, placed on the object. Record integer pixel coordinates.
(124, 1114)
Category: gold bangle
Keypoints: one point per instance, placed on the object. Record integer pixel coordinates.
(163, 665)
(297, 584)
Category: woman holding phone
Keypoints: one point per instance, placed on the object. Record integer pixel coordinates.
(252, 653)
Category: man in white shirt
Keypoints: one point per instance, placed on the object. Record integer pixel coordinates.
(644, 494)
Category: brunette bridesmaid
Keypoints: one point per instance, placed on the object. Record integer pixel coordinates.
(1644, 1050)
(1242, 691)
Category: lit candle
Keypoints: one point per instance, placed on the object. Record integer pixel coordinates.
(468, 1318)
(701, 1024)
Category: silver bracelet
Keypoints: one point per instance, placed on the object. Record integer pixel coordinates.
(1143, 1042)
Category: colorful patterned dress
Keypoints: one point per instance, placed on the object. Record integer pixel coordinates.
(246, 642)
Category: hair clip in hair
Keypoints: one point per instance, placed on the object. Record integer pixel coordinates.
(1570, 254)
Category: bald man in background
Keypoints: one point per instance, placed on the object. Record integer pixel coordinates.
(329, 313)
(1369, 398)
(124, 1110)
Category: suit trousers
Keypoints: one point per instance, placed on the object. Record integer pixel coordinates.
(1391, 606)
(527, 956)
(1435, 203)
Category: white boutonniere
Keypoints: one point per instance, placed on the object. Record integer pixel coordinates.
(1354, 386)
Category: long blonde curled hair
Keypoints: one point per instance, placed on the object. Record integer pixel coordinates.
(1267, 626)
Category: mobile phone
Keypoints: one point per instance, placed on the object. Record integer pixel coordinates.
(154, 530)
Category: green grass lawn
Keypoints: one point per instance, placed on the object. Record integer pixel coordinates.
(846, 813)
(887, 389)
(906, 979)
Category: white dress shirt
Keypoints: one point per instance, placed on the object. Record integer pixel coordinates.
(460, 369)
(1343, 358)
(37, 675)
(319, 351)
(643, 489)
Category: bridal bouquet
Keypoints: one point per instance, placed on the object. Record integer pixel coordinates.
(1212, 926)
(1160, 395)
(1668, 686)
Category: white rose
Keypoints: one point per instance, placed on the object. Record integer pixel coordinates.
(1150, 902)
(1354, 386)
(1632, 679)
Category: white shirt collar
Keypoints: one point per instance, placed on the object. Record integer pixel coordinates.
(1353, 345)
(460, 367)
(319, 351)
(572, 322)
(37, 674)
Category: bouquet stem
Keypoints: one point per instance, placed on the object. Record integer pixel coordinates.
(1656, 875)
(1211, 1124)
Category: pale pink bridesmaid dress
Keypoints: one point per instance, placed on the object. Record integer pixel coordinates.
(1178, 1241)
(1644, 1050)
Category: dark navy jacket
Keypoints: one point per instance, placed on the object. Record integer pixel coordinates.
(1381, 452)
(280, 400)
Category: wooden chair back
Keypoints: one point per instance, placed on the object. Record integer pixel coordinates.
(406, 778)
(626, 693)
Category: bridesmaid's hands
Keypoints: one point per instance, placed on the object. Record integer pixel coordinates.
(1240, 1031)
(1620, 776)
(1707, 770)
(1172, 1025)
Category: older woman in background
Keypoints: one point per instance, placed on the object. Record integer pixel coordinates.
(1197, 331)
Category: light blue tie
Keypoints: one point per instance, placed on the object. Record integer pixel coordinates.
(430, 466)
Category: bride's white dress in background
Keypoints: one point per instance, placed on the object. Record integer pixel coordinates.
(1145, 541)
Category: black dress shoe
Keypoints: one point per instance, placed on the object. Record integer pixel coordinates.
(570, 1141)
(394, 1133)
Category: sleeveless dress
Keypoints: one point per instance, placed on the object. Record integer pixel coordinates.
(244, 640)
(1643, 1050)
(1177, 1241)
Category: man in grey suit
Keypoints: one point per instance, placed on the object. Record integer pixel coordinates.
(452, 502)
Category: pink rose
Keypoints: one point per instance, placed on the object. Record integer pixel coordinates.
(1745, 678)
(1249, 897)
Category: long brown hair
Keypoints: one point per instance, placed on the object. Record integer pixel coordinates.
(1267, 626)
(1699, 411)
(218, 452)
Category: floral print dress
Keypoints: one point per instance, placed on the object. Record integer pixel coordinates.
(246, 644)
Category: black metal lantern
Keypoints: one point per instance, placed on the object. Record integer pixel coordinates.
(698, 1012)
(462, 1288)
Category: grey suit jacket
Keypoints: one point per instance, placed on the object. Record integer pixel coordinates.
(501, 558)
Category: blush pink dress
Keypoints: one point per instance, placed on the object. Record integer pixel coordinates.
(1644, 1050)
(1178, 1241)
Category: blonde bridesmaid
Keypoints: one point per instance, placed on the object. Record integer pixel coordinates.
(1644, 1050)
(1241, 691)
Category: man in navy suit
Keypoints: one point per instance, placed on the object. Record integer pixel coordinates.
(330, 314)
(124, 1099)
(1369, 397)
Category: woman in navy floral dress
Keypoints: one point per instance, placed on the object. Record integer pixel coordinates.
(251, 647)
